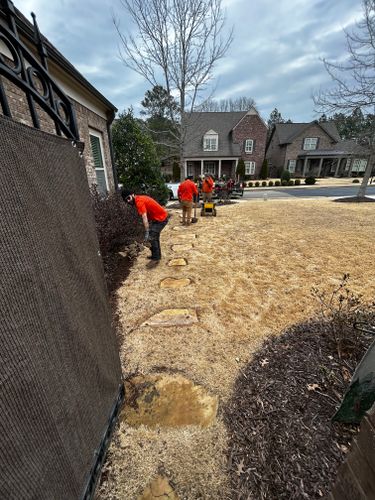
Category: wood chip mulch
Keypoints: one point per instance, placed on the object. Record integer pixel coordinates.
(283, 444)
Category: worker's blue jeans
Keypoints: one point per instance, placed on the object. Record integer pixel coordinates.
(156, 228)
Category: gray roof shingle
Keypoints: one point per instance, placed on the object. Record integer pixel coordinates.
(287, 132)
(201, 122)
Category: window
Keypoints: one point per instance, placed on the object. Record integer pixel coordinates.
(310, 143)
(292, 166)
(359, 165)
(97, 156)
(249, 145)
(190, 168)
(209, 167)
(249, 167)
(210, 141)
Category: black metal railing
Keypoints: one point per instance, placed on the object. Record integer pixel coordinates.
(29, 74)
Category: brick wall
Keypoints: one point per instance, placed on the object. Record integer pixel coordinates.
(252, 127)
(356, 477)
(86, 119)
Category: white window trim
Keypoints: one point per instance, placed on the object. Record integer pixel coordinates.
(249, 145)
(359, 165)
(307, 145)
(98, 134)
(292, 166)
(210, 136)
(209, 168)
(249, 167)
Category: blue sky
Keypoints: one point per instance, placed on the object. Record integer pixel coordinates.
(275, 57)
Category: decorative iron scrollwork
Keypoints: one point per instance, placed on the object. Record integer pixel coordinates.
(31, 76)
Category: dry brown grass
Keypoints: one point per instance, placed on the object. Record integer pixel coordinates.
(252, 269)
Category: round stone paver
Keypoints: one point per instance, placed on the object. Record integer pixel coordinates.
(185, 237)
(159, 488)
(160, 400)
(177, 262)
(175, 282)
(182, 247)
(172, 317)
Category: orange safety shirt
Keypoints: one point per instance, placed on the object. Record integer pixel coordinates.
(207, 185)
(186, 190)
(146, 205)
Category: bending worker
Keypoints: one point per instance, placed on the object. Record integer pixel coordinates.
(154, 218)
(207, 188)
(187, 193)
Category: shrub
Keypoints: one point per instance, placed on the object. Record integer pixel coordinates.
(167, 177)
(264, 183)
(277, 183)
(257, 184)
(117, 223)
(270, 183)
(310, 180)
(176, 172)
(264, 169)
(250, 184)
(241, 170)
(355, 181)
(284, 182)
(285, 175)
(291, 182)
(297, 182)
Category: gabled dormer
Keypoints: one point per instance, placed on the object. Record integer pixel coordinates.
(211, 141)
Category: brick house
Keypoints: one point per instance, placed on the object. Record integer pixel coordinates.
(94, 113)
(215, 141)
(313, 149)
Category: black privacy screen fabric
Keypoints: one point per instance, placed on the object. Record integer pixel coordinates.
(59, 362)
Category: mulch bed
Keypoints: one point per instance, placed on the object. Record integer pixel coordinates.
(355, 199)
(283, 444)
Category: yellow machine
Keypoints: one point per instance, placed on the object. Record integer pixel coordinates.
(208, 208)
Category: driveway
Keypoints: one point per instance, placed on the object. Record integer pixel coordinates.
(306, 192)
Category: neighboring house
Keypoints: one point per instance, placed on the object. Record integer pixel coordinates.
(215, 141)
(94, 113)
(314, 149)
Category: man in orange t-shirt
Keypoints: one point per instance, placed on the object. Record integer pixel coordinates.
(187, 192)
(207, 188)
(154, 218)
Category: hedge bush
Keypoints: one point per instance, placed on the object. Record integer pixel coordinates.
(264, 183)
(117, 223)
(355, 181)
(291, 182)
(284, 182)
(257, 184)
(277, 183)
(250, 184)
(285, 175)
(310, 180)
(297, 182)
(270, 183)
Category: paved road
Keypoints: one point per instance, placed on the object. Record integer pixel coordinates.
(306, 192)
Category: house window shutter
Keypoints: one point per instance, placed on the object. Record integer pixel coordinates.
(98, 163)
(254, 143)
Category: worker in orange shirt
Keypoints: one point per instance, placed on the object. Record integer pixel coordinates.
(187, 193)
(154, 218)
(207, 188)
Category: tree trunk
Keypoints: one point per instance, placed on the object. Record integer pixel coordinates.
(362, 189)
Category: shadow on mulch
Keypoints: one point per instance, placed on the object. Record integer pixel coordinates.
(283, 444)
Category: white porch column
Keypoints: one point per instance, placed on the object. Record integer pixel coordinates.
(185, 169)
(320, 167)
(235, 169)
(201, 167)
(219, 168)
(304, 167)
(337, 167)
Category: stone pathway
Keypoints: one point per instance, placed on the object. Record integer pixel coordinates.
(163, 400)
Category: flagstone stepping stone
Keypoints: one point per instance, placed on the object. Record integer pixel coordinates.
(173, 317)
(177, 262)
(185, 236)
(163, 400)
(174, 282)
(183, 247)
(159, 488)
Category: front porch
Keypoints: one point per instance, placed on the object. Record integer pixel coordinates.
(326, 165)
(216, 167)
